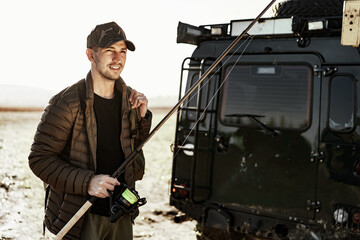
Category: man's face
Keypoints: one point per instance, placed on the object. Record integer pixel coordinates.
(110, 61)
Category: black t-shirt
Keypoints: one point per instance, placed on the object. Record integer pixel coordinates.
(109, 154)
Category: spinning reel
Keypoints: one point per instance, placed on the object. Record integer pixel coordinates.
(126, 201)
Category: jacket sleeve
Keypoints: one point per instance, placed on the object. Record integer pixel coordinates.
(50, 140)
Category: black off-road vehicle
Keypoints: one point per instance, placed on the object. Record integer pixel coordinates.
(269, 145)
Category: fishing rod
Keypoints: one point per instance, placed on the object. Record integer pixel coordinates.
(130, 158)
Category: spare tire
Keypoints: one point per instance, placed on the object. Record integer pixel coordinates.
(308, 8)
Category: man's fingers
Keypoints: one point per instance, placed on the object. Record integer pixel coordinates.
(137, 98)
(138, 101)
(100, 184)
(108, 186)
(101, 193)
(111, 180)
(131, 97)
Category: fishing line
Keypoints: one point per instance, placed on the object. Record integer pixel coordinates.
(251, 37)
(205, 82)
(217, 90)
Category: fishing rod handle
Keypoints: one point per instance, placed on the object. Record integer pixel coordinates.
(74, 219)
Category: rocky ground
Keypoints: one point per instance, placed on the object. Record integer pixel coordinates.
(22, 194)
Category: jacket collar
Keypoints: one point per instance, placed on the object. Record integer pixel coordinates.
(119, 86)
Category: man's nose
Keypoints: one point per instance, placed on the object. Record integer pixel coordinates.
(117, 57)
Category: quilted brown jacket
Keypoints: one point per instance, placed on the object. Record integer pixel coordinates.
(63, 153)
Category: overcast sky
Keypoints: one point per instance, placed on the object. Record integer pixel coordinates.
(43, 42)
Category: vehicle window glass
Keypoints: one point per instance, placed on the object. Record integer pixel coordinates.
(193, 98)
(342, 103)
(279, 95)
(192, 101)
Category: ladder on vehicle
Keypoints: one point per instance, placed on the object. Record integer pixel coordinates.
(201, 113)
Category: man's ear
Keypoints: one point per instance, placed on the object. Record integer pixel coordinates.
(90, 54)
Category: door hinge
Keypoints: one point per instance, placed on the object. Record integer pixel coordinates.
(317, 156)
(327, 71)
(222, 144)
(313, 205)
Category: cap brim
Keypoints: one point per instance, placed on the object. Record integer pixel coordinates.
(129, 44)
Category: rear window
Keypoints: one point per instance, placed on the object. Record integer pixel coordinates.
(277, 95)
(342, 103)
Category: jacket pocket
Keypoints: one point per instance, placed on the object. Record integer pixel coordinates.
(52, 209)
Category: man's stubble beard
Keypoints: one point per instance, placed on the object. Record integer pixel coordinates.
(106, 75)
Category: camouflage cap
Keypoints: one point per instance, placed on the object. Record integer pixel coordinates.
(104, 35)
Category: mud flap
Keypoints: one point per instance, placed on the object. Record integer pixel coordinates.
(215, 221)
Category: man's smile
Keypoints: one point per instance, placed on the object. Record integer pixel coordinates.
(115, 67)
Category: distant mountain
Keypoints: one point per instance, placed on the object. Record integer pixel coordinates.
(162, 101)
(12, 96)
(22, 96)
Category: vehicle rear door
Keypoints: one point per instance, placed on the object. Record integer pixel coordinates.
(339, 165)
(265, 161)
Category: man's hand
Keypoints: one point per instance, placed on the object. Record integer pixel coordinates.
(99, 184)
(139, 100)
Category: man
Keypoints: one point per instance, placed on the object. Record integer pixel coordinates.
(85, 134)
